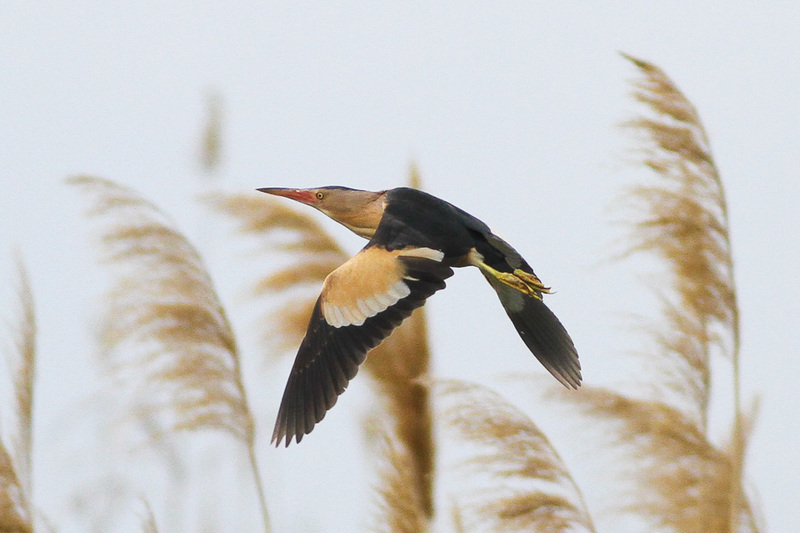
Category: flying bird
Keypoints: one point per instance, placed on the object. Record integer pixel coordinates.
(415, 240)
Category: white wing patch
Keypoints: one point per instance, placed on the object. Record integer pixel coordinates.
(364, 308)
(368, 284)
(424, 253)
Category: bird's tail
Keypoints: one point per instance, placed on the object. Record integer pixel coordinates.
(540, 329)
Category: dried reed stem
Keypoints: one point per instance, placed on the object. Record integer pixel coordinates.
(148, 520)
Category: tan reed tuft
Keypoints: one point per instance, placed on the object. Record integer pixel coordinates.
(678, 479)
(16, 447)
(532, 490)
(165, 333)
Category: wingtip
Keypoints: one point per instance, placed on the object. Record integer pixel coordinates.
(285, 439)
(281, 433)
(568, 373)
(276, 437)
(570, 378)
(573, 384)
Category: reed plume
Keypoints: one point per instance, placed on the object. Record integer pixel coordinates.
(16, 509)
(314, 254)
(401, 507)
(676, 479)
(681, 217)
(399, 364)
(682, 481)
(532, 489)
(165, 332)
(13, 506)
(211, 142)
(148, 519)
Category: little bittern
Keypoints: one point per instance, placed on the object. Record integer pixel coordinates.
(414, 241)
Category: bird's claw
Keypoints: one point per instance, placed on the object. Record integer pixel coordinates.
(525, 282)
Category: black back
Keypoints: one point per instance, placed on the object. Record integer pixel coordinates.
(416, 218)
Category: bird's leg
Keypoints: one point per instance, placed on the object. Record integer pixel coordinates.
(525, 282)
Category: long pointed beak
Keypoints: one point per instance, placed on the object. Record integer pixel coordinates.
(301, 195)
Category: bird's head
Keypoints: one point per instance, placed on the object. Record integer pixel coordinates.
(359, 211)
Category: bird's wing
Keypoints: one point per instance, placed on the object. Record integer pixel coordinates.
(542, 332)
(361, 302)
(540, 329)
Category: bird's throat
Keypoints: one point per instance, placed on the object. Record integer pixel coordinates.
(362, 219)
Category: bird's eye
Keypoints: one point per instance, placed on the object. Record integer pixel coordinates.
(320, 195)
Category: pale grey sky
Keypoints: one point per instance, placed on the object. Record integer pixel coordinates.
(510, 112)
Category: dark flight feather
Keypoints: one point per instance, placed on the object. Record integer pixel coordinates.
(329, 357)
(539, 328)
(546, 338)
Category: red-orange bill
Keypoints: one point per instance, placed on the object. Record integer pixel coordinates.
(301, 195)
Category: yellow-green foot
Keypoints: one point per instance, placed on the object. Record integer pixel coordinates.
(531, 281)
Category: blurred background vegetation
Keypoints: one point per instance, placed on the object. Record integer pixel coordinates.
(443, 455)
